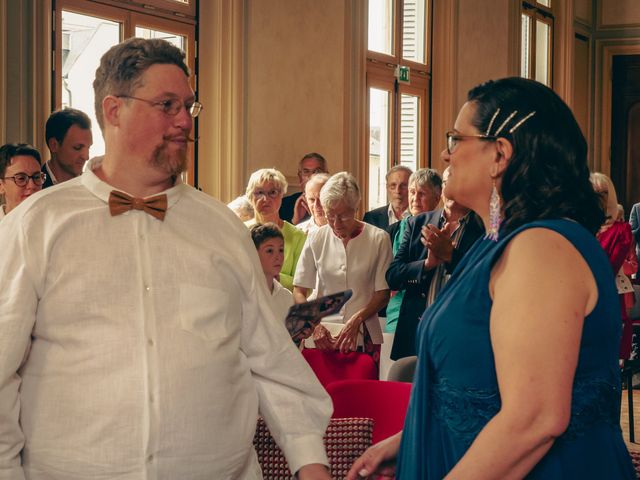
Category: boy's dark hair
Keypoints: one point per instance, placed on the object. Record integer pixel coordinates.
(261, 232)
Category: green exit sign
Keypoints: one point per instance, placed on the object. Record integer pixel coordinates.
(403, 74)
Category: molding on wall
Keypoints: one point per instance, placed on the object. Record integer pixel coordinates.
(41, 85)
(563, 53)
(605, 51)
(445, 78)
(355, 94)
(221, 162)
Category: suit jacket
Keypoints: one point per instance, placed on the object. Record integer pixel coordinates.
(49, 181)
(406, 273)
(634, 220)
(378, 217)
(287, 206)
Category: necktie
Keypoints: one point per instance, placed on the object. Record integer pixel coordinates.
(120, 202)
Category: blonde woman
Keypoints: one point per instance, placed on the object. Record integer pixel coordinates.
(265, 190)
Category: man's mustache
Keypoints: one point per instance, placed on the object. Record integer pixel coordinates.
(187, 138)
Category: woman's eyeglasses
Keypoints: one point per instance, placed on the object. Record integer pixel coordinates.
(21, 179)
(454, 138)
(272, 194)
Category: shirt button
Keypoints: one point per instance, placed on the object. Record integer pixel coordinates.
(151, 399)
(150, 342)
(150, 458)
(147, 288)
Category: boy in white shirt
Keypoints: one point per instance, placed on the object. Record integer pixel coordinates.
(269, 242)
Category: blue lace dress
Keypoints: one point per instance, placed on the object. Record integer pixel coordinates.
(456, 391)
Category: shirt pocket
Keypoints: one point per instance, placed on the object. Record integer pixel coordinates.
(205, 311)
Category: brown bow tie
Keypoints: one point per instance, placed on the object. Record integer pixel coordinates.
(120, 202)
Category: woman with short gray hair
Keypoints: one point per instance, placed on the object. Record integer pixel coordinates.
(346, 253)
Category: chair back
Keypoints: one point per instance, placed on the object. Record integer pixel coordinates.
(403, 370)
(330, 366)
(385, 402)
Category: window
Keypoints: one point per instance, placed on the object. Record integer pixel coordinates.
(536, 55)
(397, 90)
(85, 30)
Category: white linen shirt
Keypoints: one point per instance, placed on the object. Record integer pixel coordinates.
(392, 215)
(281, 301)
(361, 267)
(139, 349)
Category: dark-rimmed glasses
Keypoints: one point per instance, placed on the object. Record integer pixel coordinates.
(453, 138)
(170, 107)
(22, 179)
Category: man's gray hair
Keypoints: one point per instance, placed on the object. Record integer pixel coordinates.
(397, 168)
(318, 178)
(426, 177)
(340, 187)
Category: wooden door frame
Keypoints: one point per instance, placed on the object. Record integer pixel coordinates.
(606, 50)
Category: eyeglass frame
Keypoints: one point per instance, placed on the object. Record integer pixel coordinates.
(41, 175)
(458, 136)
(164, 105)
(272, 194)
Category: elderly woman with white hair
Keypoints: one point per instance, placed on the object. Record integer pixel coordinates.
(265, 190)
(616, 239)
(346, 254)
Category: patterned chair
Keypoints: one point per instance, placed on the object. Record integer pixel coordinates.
(345, 440)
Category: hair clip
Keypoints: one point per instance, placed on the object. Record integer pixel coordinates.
(513, 114)
(491, 122)
(515, 127)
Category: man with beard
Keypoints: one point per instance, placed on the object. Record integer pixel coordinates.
(68, 135)
(135, 339)
(398, 196)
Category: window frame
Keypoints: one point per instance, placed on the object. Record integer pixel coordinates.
(380, 73)
(129, 17)
(539, 13)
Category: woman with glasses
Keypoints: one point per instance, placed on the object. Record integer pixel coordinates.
(265, 190)
(20, 175)
(346, 254)
(517, 373)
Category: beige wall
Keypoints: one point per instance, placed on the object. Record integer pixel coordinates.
(483, 44)
(295, 83)
(618, 13)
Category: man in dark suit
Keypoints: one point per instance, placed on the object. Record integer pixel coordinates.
(68, 135)
(432, 246)
(398, 195)
(294, 208)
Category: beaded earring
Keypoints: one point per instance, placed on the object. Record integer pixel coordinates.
(495, 216)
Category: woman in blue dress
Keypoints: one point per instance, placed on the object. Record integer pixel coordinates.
(517, 371)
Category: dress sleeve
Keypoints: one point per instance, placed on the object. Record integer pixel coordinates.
(383, 258)
(306, 270)
(616, 241)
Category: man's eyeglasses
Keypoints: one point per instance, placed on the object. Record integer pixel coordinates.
(454, 138)
(272, 194)
(172, 106)
(21, 179)
(310, 171)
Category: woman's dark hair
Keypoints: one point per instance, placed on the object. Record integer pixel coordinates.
(10, 150)
(261, 232)
(547, 176)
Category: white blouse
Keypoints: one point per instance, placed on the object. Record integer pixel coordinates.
(361, 267)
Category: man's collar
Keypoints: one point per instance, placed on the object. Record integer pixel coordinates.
(392, 214)
(49, 172)
(102, 189)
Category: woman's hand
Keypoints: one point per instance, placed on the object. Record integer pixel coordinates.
(379, 459)
(347, 340)
(322, 338)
